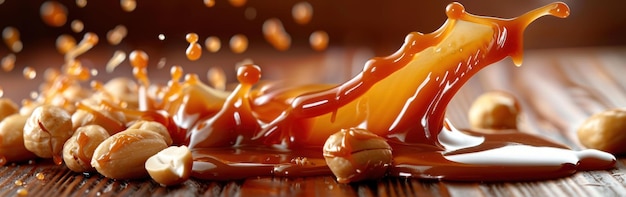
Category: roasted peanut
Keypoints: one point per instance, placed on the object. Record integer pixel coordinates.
(123, 155)
(357, 154)
(605, 131)
(12, 140)
(170, 166)
(91, 115)
(7, 108)
(79, 149)
(123, 89)
(153, 126)
(495, 110)
(46, 130)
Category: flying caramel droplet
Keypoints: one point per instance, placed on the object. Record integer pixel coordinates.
(8, 62)
(77, 26)
(275, 34)
(53, 13)
(318, 40)
(238, 43)
(117, 34)
(128, 5)
(65, 43)
(302, 12)
(29, 73)
(209, 3)
(194, 50)
(11, 37)
(212, 44)
(81, 3)
(237, 3)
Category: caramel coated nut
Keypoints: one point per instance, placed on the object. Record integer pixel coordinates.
(12, 147)
(79, 149)
(46, 130)
(494, 110)
(357, 154)
(123, 155)
(102, 118)
(7, 108)
(605, 131)
(155, 127)
(170, 166)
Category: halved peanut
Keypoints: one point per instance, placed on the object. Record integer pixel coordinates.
(170, 166)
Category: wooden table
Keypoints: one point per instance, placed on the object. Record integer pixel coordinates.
(558, 88)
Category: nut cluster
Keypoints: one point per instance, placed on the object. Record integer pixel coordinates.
(605, 131)
(80, 128)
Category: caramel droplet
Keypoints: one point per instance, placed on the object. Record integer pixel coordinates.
(191, 37)
(53, 13)
(128, 5)
(116, 60)
(212, 44)
(65, 43)
(18, 183)
(194, 50)
(302, 12)
(161, 37)
(276, 35)
(40, 176)
(29, 73)
(77, 26)
(11, 37)
(209, 3)
(249, 74)
(117, 34)
(319, 40)
(237, 3)
(238, 43)
(8, 62)
(138, 59)
(81, 3)
(22, 192)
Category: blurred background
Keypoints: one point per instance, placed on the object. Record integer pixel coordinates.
(358, 30)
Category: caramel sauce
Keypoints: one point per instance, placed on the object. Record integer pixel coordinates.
(291, 123)
(262, 130)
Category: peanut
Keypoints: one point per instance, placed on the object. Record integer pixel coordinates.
(357, 154)
(605, 131)
(494, 111)
(88, 115)
(170, 166)
(79, 149)
(46, 130)
(123, 155)
(123, 89)
(12, 147)
(7, 108)
(155, 127)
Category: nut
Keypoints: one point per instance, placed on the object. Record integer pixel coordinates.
(494, 111)
(357, 154)
(7, 108)
(155, 127)
(123, 89)
(89, 115)
(605, 131)
(123, 155)
(79, 149)
(46, 130)
(12, 139)
(170, 166)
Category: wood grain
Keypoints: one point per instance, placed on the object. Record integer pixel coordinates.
(558, 89)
